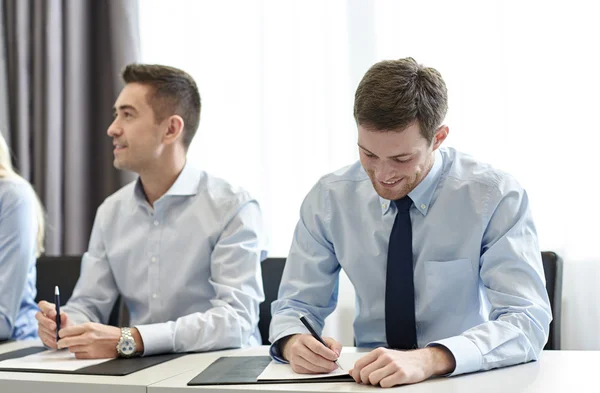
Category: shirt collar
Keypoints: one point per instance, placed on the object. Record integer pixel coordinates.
(423, 192)
(186, 184)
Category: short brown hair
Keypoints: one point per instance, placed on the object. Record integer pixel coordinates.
(395, 93)
(173, 92)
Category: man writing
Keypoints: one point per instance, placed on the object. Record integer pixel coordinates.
(441, 248)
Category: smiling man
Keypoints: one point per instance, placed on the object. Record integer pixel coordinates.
(183, 248)
(441, 249)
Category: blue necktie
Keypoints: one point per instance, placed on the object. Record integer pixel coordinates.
(400, 327)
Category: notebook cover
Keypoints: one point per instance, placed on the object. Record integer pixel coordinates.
(242, 370)
(116, 367)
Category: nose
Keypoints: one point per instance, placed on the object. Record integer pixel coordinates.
(114, 129)
(385, 172)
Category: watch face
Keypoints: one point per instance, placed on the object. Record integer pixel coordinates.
(127, 347)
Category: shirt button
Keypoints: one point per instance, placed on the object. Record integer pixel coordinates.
(154, 295)
(153, 259)
(423, 206)
(384, 205)
(155, 223)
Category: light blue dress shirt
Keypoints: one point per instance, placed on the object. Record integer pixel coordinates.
(188, 269)
(18, 246)
(479, 281)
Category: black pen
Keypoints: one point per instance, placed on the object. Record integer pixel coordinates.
(315, 335)
(57, 305)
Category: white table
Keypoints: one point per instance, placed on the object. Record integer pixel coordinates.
(556, 371)
(17, 382)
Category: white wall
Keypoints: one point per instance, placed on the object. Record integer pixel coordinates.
(277, 79)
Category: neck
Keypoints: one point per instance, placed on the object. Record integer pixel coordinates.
(157, 181)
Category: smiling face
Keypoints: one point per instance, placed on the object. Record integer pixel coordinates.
(397, 160)
(137, 138)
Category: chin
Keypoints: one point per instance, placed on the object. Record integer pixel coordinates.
(391, 195)
(120, 165)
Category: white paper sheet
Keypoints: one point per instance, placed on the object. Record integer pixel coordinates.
(62, 360)
(277, 370)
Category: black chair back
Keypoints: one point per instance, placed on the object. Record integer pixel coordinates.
(272, 269)
(553, 270)
(64, 271)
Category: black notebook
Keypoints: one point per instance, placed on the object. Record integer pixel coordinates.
(241, 370)
(115, 367)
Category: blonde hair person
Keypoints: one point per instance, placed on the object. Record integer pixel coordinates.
(21, 242)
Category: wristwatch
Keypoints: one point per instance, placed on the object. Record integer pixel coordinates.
(126, 346)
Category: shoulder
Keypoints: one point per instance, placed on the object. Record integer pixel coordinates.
(345, 186)
(221, 192)
(464, 171)
(348, 176)
(16, 192)
(342, 181)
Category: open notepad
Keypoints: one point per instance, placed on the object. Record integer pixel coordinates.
(243, 370)
(62, 360)
(279, 371)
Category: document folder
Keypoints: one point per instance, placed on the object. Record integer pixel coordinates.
(242, 370)
(114, 367)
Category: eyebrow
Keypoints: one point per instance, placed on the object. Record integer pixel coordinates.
(396, 156)
(124, 107)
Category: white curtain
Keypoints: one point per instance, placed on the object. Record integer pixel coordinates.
(277, 80)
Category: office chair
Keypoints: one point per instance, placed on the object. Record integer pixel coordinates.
(272, 269)
(64, 272)
(553, 270)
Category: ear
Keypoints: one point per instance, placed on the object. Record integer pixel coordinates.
(440, 136)
(174, 131)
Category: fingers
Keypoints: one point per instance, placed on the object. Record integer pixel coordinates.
(45, 321)
(48, 338)
(304, 360)
(46, 317)
(314, 362)
(77, 335)
(369, 358)
(372, 370)
(334, 345)
(317, 348)
(75, 330)
(64, 319)
(84, 339)
(362, 363)
(47, 308)
(390, 376)
(46, 329)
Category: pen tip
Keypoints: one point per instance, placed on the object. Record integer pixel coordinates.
(56, 291)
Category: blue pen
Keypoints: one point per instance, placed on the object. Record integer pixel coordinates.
(315, 335)
(57, 304)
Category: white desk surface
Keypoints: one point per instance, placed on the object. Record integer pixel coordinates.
(556, 371)
(17, 382)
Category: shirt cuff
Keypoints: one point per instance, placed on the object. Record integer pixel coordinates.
(466, 354)
(275, 351)
(157, 338)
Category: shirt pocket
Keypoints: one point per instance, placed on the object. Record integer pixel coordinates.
(450, 286)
